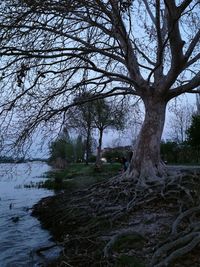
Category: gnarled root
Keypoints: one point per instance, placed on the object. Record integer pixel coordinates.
(125, 232)
(178, 243)
(147, 175)
(175, 249)
(90, 217)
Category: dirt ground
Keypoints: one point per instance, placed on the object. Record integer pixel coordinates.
(113, 224)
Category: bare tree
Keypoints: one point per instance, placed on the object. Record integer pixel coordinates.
(180, 120)
(144, 48)
(107, 115)
(81, 119)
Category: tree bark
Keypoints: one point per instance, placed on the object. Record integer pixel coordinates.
(146, 164)
(88, 145)
(98, 159)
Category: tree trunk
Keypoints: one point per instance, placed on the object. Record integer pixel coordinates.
(98, 159)
(88, 146)
(146, 164)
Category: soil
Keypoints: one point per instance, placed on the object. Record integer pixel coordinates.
(113, 224)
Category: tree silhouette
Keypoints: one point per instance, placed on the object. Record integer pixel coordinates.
(194, 132)
(148, 49)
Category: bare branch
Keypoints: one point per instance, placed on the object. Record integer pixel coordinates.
(187, 88)
(192, 45)
(149, 11)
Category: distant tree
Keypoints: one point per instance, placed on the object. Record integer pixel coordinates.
(180, 120)
(79, 148)
(81, 118)
(181, 153)
(198, 103)
(193, 132)
(61, 150)
(168, 151)
(65, 149)
(7, 159)
(107, 115)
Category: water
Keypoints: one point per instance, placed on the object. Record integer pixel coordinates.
(20, 239)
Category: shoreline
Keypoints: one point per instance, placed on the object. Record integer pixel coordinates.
(44, 212)
(96, 228)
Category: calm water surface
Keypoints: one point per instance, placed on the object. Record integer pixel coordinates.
(19, 240)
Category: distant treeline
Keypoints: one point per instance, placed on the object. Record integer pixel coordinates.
(187, 151)
(183, 153)
(4, 159)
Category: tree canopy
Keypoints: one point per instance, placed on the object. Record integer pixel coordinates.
(50, 49)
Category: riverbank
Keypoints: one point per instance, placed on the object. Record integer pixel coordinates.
(77, 176)
(109, 225)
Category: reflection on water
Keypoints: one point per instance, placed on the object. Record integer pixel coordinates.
(20, 233)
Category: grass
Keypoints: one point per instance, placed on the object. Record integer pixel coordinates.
(79, 175)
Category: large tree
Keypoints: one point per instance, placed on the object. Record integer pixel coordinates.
(144, 48)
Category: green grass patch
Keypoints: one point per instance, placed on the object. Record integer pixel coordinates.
(79, 175)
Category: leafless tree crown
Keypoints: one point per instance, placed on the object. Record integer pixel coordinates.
(51, 49)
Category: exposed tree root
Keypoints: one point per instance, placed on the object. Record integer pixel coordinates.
(108, 248)
(193, 241)
(40, 250)
(173, 249)
(86, 220)
(181, 217)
